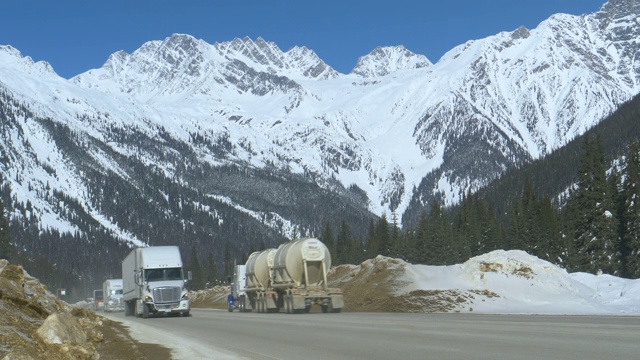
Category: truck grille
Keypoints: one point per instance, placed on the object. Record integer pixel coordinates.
(168, 294)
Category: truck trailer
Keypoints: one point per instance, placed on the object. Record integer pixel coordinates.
(293, 277)
(112, 295)
(153, 282)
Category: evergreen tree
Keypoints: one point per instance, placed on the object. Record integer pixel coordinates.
(630, 247)
(372, 244)
(212, 270)
(463, 232)
(418, 253)
(228, 271)
(552, 248)
(534, 226)
(328, 238)
(343, 252)
(6, 249)
(397, 243)
(198, 280)
(383, 236)
(596, 233)
(437, 237)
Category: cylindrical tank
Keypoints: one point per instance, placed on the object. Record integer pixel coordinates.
(257, 269)
(289, 261)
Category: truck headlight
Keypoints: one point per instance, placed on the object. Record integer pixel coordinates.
(185, 296)
(148, 298)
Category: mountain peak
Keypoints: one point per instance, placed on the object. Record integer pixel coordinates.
(614, 10)
(520, 33)
(26, 63)
(386, 60)
(300, 60)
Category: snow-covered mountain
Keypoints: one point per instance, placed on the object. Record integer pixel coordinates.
(397, 132)
(386, 60)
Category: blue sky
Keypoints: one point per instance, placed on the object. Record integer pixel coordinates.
(78, 35)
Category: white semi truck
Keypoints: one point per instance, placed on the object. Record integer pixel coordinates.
(154, 283)
(293, 277)
(112, 295)
(237, 295)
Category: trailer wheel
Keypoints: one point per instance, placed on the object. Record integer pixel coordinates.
(287, 305)
(127, 309)
(259, 302)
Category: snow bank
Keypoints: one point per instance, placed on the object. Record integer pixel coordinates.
(516, 282)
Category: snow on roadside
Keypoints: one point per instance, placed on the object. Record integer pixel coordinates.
(524, 284)
(616, 294)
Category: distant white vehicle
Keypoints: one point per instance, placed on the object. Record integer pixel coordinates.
(153, 282)
(112, 294)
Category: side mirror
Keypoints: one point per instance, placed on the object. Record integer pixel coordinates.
(135, 277)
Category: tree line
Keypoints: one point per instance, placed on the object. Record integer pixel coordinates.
(594, 226)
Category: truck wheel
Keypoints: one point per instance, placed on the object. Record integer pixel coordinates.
(331, 309)
(145, 311)
(287, 307)
(127, 309)
(136, 308)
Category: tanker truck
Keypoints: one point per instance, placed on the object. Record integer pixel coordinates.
(293, 277)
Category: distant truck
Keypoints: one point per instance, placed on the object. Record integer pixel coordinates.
(112, 292)
(236, 298)
(153, 282)
(293, 277)
(98, 300)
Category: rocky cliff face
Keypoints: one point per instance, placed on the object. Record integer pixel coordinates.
(36, 325)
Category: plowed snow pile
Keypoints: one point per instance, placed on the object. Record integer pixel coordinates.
(497, 282)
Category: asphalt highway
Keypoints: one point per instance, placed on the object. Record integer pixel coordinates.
(218, 334)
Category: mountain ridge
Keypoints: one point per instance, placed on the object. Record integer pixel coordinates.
(399, 129)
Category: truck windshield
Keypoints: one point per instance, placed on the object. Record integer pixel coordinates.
(162, 274)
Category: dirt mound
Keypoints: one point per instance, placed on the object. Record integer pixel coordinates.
(34, 324)
(375, 285)
(214, 298)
